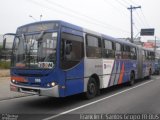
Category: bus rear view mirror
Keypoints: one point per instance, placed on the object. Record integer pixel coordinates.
(8, 40)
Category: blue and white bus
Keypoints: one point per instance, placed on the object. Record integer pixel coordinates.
(58, 59)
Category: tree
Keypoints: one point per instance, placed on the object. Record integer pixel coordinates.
(1, 51)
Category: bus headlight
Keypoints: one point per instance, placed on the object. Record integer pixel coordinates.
(51, 84)
(13, 81)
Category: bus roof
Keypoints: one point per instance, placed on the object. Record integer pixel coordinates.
(69, 25)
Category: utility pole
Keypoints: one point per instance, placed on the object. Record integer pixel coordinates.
(131, 10)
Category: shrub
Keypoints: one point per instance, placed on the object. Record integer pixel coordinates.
(5, 64)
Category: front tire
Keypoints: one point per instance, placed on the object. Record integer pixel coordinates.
(92, 89)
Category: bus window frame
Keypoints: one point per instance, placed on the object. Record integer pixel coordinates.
(99, 48)
(61, 39)
(112, 50)
(134, 57)
(121, 50)
(126, 53)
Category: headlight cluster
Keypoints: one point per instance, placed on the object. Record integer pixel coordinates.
(52, 84)
(13, 81)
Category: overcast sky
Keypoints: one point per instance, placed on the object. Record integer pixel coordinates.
(110, 17)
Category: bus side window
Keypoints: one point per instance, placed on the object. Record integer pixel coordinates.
(126, 52)
(93, 47)
(108, 49)
(133, 53)
(149, 55)
(118, 51)
(71, 50)
(152, 55)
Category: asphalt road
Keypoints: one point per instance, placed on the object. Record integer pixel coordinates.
(143, 97)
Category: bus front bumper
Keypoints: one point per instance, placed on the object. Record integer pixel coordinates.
(53, 92)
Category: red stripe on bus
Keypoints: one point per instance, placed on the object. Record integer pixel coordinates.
(121, 75)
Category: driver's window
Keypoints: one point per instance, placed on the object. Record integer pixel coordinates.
(71, 50)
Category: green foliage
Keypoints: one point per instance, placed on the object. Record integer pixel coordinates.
(5, 64)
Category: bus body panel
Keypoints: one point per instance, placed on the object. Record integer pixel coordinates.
(110, 72)
(92, 67)
(75, 80)
(121, 71)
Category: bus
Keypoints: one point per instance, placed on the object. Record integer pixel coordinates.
(59, 59)
(157, 66)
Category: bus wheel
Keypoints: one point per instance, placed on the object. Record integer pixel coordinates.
(149, 76)
(92, 89)
(132, 79)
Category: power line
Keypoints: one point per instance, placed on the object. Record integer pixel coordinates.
(145, 18)
(136, 27)
(83, 15)
(137, 21)
(140, 19)
(117, 8)
(89, 21)
(75, 12)
(137, 32)
(53, 9)
(122, 4)
(126, 2)
(133, 3)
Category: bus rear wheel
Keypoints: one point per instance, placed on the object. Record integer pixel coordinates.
(92, 89)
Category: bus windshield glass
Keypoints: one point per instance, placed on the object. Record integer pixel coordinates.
(35, 51)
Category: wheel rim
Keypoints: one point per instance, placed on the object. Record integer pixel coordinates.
(91, 88)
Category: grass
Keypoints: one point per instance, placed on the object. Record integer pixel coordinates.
(5, 64)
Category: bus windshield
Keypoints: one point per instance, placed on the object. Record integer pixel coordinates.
(35, 51)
